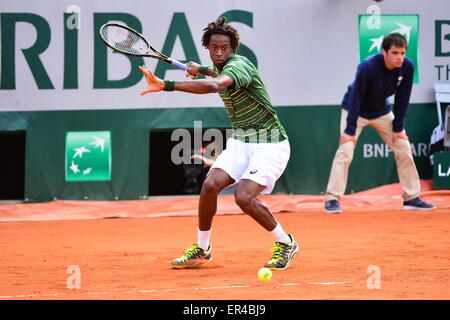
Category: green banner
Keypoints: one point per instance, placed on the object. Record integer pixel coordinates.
(441, 170)
(88, 156)
(373, 29)
(313, 146)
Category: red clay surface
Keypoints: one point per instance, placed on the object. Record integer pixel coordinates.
(129, 258)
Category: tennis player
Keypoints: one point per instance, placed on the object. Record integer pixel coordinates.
(256, 154)
(366, 104)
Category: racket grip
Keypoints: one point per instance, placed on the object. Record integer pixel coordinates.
(178, 64)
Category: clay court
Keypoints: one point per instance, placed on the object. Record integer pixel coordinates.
(123, 249)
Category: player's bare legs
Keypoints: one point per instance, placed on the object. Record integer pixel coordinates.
(285, 246)
(216, 181)
(245, 196)
(200, 252)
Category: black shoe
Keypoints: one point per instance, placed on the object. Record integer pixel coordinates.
(332, 206)
(192, 258)
(282, 255)
(417, 204)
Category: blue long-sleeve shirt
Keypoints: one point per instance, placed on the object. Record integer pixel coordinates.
(367, 96)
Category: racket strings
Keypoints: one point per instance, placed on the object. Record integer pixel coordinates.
(124, 40)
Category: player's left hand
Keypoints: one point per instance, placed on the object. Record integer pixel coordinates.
(399, 135)
(192, 71)
(206, 161)
(154, 84)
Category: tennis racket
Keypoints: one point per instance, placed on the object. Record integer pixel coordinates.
(127, 41)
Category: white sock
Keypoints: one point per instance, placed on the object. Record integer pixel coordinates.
(203, 239)
(280, 235)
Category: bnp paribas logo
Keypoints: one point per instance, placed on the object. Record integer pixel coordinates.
(88, 156)
(373, 29)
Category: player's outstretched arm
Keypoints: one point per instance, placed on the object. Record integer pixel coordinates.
(202, 86)
(154, 84)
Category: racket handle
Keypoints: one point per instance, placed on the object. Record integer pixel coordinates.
(178, 64)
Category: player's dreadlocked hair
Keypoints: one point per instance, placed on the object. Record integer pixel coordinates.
(220, 27)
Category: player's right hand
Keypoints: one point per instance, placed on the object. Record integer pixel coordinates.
(154, 84)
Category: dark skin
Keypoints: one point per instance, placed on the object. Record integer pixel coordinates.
(247, 190)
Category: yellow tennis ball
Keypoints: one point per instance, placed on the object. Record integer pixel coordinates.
(264, 274)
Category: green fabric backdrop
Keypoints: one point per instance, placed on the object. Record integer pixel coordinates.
(313, 132)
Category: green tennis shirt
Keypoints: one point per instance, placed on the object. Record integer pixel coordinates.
(252, 116)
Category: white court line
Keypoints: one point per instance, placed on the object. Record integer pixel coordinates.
(98, 293)
(327, 283)
(147, 291)
(210, 288)
(161, 290)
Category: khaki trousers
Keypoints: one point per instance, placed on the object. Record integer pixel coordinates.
(406, 168)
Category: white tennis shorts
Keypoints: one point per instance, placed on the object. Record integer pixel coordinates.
(260, 162)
